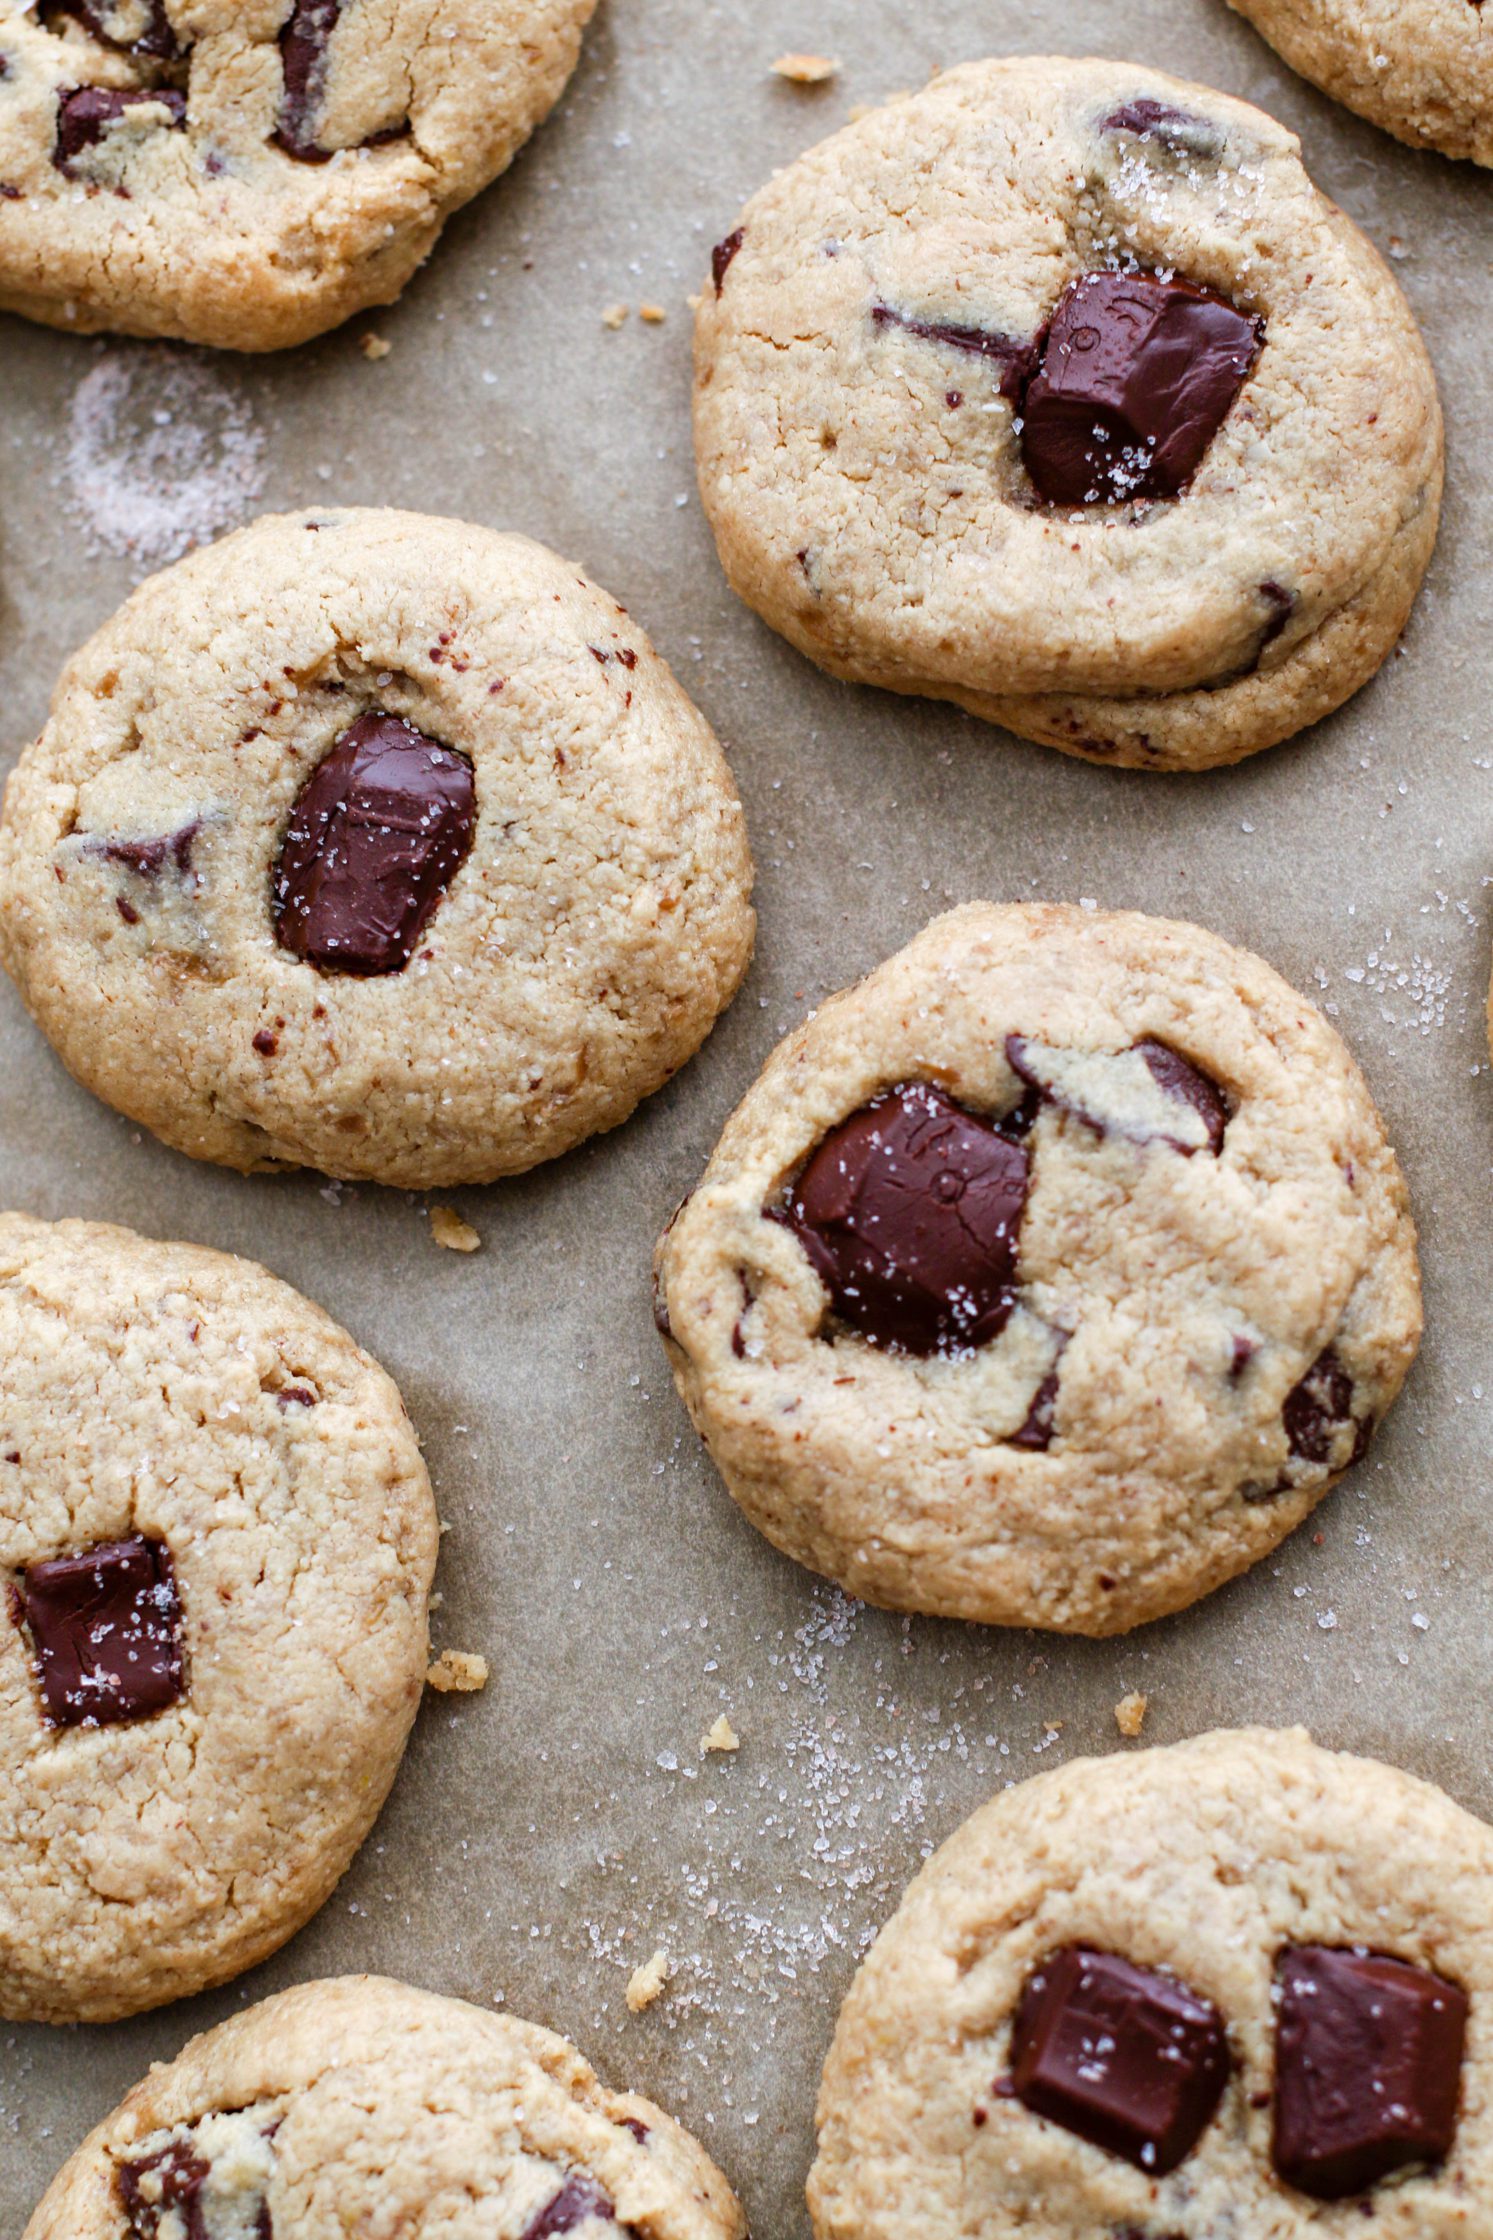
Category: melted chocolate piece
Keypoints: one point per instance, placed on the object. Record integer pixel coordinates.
(172, 2179)
(148, 857)
(107, 1632)
(155, 41)
(85, 115)
(1368, 2068)
(1184, 1081)
(1177, 129)
(1014, 358)
(579, 2201)
(1321, 1407)
(911, 1212)
(1175, 1075)
(1282, 605)
(378, 833)
(303, 54)
(723, 256)
(1036, 1434)
(1137, 377)
(1131, 2060)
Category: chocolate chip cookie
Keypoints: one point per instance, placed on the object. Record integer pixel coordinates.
(1058, 390)
(216, 1544)
(248, 173)
(359, 2105)
(1049, 1277)
(1239, 1987)
(1421, 68)
(374, 843)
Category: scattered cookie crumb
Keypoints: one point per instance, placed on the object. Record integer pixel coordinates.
(806, 69)
(450, 1231)
(646, 1983)
(652, 314)
(722, 1736)
(1130, 1714)
(456, 1672)
(614, 316)
(374, 346)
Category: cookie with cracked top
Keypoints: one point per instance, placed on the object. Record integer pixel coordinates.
(375, 843)
(361, 2105)
(217, 1539)
(249, 173)
(1174, 1994)
(1059, 391)
(1050, 1276)
(1423, 69)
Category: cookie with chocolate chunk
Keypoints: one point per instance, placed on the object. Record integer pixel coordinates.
(1237, 1986)
(360, 2105)
(217, 1539)
(1423, 69)
(248, 173)
(1058, 390)
(374, 843)
(1049, 1277)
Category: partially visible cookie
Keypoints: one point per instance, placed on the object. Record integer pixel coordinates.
(1058, 390)
(247, 173)
(374, 843)
(1049, 1277)
(1421, 68)
(1239, 1987)
(361, 2106)
(217, 1539)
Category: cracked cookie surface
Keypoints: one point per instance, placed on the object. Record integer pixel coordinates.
(1059, 391)
(1423, 69)
(248, 173)
(374, 843)
(217, 1539)
(1048, 1277)
(359, 2104)
(1138, 1943)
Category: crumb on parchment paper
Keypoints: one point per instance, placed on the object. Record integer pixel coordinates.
(807, 69)
(722, 1736)
(451, 1232)
(1130, 1714)
(652, 314)
(615, 316)
(374, 346)
(646, 1984)
(457, 1672)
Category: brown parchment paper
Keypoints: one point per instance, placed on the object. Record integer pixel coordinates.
(547, 1836)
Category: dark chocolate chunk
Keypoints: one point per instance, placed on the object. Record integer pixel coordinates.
(148, 857)
(1282, 605)
(170, 2179)
(85, 115)
(1319, 1409)
(1183, 1080)
(639, 2130)
(379, 831)
(107, 1631)
(1368, 2068)
(723, 256)
(579, 2201)
(1177, 129)
(1010, 354)
(1137, 377)
(911, 1212)
(1037, 1432)
(144, 29)
(1131, 2060)
(1101, 1103)
(303, 55)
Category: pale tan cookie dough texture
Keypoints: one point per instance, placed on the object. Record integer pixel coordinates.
(182, 1395)
(398, 2112)
(892, 535)
(1169, 1470)
(1204, 1860)
(580, 955)
(1421, 68)
(214, 233)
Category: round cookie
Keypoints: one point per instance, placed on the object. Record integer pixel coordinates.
(1059, 391)
(217, 1539)
(1421, 68)
(1049, 1277)
(359, 2105)
(248, 173)
(1242, 1986)
(378, 844)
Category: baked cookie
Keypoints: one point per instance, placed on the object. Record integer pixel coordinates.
(1240, 1987)
(216, 1545)
(359, 2105)
(1421, 68)
(248, 173)
(1049, 1277)
(378, 844)
(1058, 390)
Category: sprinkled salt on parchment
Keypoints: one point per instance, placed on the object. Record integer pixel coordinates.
(161, 453)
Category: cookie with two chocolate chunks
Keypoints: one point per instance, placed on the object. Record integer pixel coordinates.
(106, 1626)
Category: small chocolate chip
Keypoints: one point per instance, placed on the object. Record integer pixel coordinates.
(266, 1043)
(1177, 129)
(377, 835)
(910, 1212)
(1368, 2068)
(84, 116)
(1282, 605)
(1242, 1351)
(723, 256)
(1013, 357)
(106, 1627)
(1127, 2058)
(148, 857)
(149, 2190)
(1036, 1433)
(1137, 376)
(295, 1396)
(127, 910)
(579, 2201)
(639, 2130)
(1319, 1409)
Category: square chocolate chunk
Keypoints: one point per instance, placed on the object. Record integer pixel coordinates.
(107, 1631)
